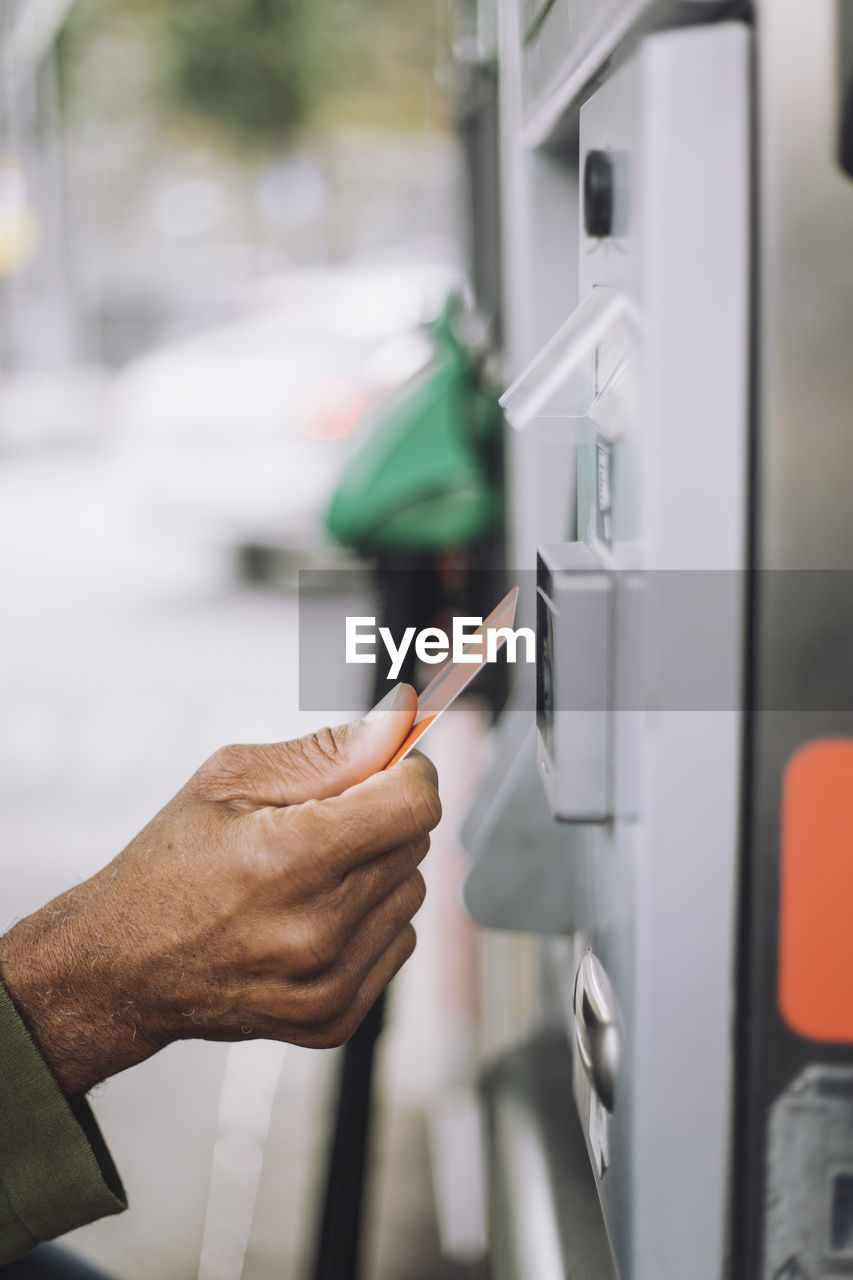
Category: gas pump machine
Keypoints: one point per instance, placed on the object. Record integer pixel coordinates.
(670, 812)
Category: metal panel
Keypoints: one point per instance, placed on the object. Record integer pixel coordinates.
(574, 699)
(523, 872)
(801, 672)
(546, 1223)
(809, 1215)
(662, 897)
(568, 43)
(653, 891)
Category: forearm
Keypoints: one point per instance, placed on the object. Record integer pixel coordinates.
(59, 972)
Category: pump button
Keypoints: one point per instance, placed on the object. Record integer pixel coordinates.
(598, 1033)
(598, 187)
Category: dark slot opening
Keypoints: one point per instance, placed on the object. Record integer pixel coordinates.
(845, 86)
(841, 1221)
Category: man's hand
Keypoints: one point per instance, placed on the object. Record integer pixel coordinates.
(272, 897)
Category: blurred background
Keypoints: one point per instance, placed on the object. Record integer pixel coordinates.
(223, 224)
(263, 265)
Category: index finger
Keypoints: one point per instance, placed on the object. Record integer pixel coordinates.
(386, 810)
(423, 763)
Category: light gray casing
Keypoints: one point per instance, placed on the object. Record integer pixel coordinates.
(653, 888)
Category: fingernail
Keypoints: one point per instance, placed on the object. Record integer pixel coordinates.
(388, 703)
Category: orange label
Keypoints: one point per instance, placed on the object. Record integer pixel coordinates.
(816, 892)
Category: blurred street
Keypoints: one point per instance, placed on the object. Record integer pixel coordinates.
(123, 664)
(202, 301)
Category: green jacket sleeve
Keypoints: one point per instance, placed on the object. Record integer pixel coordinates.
(55, 1170)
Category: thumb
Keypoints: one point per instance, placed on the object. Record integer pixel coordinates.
(325, 763)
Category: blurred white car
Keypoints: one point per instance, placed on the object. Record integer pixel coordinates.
(237, 435)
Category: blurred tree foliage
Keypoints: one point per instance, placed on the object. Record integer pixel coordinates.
(240, 62)
(259, 69)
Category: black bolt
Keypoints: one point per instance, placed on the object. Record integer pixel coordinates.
(598, 194)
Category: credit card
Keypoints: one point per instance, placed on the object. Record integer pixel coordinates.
(449, 681)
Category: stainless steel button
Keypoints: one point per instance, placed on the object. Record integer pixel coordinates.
(598, 1031)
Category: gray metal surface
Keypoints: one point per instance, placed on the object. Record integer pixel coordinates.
(802, 674)
(652, 892)
(523, 873)
(662, 924)
(810, 1132)
(567, 43)
(574, 702)
(546, 1221)
(598, 1029)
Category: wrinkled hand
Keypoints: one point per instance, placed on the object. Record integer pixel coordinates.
(272, 897)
